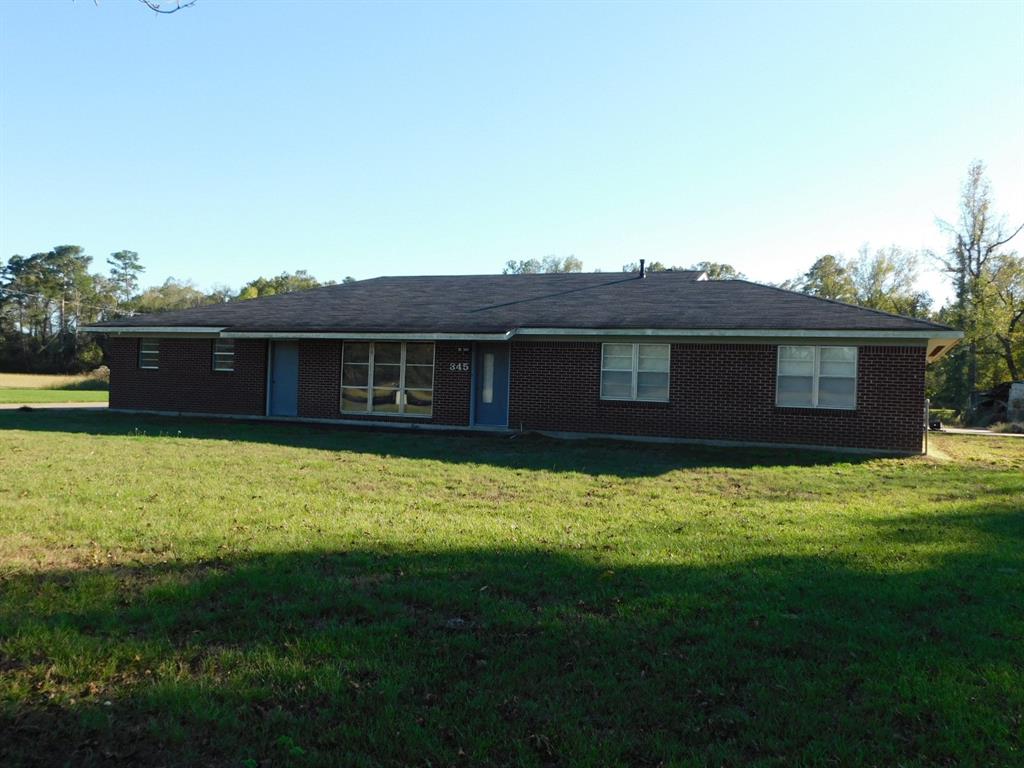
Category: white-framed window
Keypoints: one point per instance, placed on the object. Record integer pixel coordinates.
(817, 377)
(224, 355)
(149, 353)
(387, 377)
(635, 371)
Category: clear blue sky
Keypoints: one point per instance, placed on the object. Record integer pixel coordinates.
(235, 139)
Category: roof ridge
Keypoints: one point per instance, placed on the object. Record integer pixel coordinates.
(537, 274)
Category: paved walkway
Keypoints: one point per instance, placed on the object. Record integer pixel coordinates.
(959, 431)
(52, 406)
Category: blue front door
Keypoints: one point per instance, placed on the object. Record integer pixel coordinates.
(284, 378)
(490, 397)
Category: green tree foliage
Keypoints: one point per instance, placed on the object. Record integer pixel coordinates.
(1005, 298)
(828, 278)
(46, 297)
(715, 270)
(125, 269)
(172, 295)
(986, 278)
(549, 264)
(283, 283)
(654, 266)
(887, 281)
(43, 299)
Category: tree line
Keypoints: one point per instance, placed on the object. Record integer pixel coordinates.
(46, 297)
(986, 274)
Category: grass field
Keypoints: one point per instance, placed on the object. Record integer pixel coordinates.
(51, 396)
(45, 388)
(176, 592)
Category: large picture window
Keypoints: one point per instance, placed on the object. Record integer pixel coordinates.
(635, 372)
(817, 377)
(387, 378)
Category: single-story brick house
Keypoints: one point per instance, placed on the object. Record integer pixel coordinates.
(668, 355)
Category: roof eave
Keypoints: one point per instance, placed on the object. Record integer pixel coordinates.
(929, 334)
(839, 333)
(155, 330)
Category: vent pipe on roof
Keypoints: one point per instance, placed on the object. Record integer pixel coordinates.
(643, 272)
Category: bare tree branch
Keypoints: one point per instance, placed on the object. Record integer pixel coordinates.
(998, 243)
(156, 7)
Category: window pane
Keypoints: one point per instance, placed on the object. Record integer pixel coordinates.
(839, 354)
(796, 353)
(385, 400)
(653, 357)
(357, 353)
(418, 398)
(838, 369)
(617, 384)
(420, 376)
(835, 393)
(795, 390)
(355, 375)
(418, 410)
(387, 353)
(652, 386)
(224, 354)
(353, 399)
(149, 353)
(796, 368)
(386, 375)
(487, 379)
(618, 357)
(419, 354)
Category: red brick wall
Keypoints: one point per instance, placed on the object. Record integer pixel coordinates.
(320, 385)
(719, 391)
(186, 380)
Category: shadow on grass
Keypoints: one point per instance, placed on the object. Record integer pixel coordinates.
(531, 452)
(490, 657)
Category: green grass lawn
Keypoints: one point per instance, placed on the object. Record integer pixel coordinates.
(48, 388)
(52, 396)
(176, 592)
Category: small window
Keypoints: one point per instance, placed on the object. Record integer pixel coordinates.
(149, 353)
(224, 355)
(635, 372)
(817, 377)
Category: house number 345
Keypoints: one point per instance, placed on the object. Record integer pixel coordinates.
(458, 366)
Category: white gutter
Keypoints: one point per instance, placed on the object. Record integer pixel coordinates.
(145, 330)
(747, 333)
(369, 336)
(221, 332)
